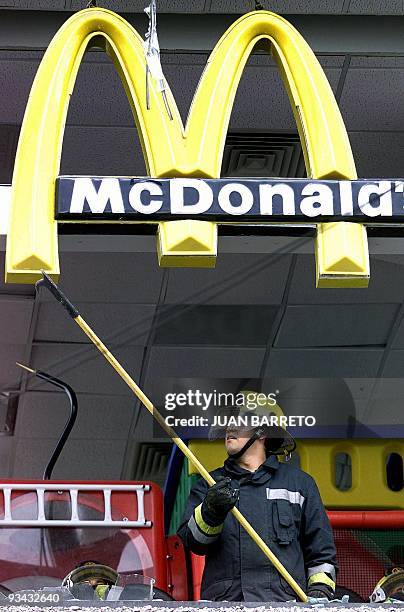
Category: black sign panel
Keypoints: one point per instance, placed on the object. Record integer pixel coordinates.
(229, 200)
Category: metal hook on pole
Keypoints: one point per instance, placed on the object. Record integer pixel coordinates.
(47, 282)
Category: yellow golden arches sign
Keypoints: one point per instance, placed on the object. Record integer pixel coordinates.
(171, 150)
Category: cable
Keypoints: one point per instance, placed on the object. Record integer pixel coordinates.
(69, 423)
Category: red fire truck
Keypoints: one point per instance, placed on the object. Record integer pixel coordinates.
(50, 527)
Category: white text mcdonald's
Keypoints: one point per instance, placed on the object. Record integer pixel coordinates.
(221, 199)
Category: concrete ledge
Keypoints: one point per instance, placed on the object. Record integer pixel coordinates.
(204, 606)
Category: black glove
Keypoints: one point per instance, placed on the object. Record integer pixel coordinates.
(318, 589)
(219, 500)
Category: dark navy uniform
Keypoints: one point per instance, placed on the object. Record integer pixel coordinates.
(283, 505)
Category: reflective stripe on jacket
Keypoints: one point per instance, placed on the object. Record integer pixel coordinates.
(283, 505)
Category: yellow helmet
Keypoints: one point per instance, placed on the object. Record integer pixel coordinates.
(261, 418)
(391, 586)
(90, 570)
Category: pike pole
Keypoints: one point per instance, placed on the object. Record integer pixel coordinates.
(74, 313)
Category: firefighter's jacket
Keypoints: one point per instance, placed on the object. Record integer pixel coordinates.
(283, 505)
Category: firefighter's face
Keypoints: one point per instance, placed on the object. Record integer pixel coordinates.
(236, 438)
(94, 582)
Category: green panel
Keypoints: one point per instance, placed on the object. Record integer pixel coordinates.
(390, 542)
(185, 485)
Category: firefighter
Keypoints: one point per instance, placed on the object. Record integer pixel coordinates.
(93, 574)
(283, 505)
(390, 587)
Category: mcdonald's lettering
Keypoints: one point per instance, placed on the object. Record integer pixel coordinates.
(189, 152)
(86, 198)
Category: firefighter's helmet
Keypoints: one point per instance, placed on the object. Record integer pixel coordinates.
(255, 421)
(90, 571)
(390, 587)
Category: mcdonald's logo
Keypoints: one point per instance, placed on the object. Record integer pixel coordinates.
(172, 149)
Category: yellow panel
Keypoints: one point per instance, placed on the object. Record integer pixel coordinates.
(342, 256)
(369, 481)
(211, 453)
(187, 244)
(169, 148)
(317, 457)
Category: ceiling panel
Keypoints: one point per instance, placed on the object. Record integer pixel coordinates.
(336, 325)
(394, 366)
(327, 398)
(144, 425)
(376, 7)
(8, 146)
(99, 150)
(57, 5)
(398, 341)
(80, 459)
(10, 373)
(361, 389)
(323, 362)
(315, 389)
(389, 413)
(183, 71)
(385, 284)
(119, 6)
(201, 361)
(16, 76)
(99, 417)
(132, 6)
(385, 396)
(15, 319)
(237, 279)
(215, 325)
(388, 7)
(367, 91)
(376, 61)
(261, 101)
(378, 154)
(109, 277)
(378, 399)
(279, 6)
(99, 97)
(84, 368)
(386, 391)
(6, 450)
(120, 322)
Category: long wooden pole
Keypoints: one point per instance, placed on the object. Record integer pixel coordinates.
(48, 282)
